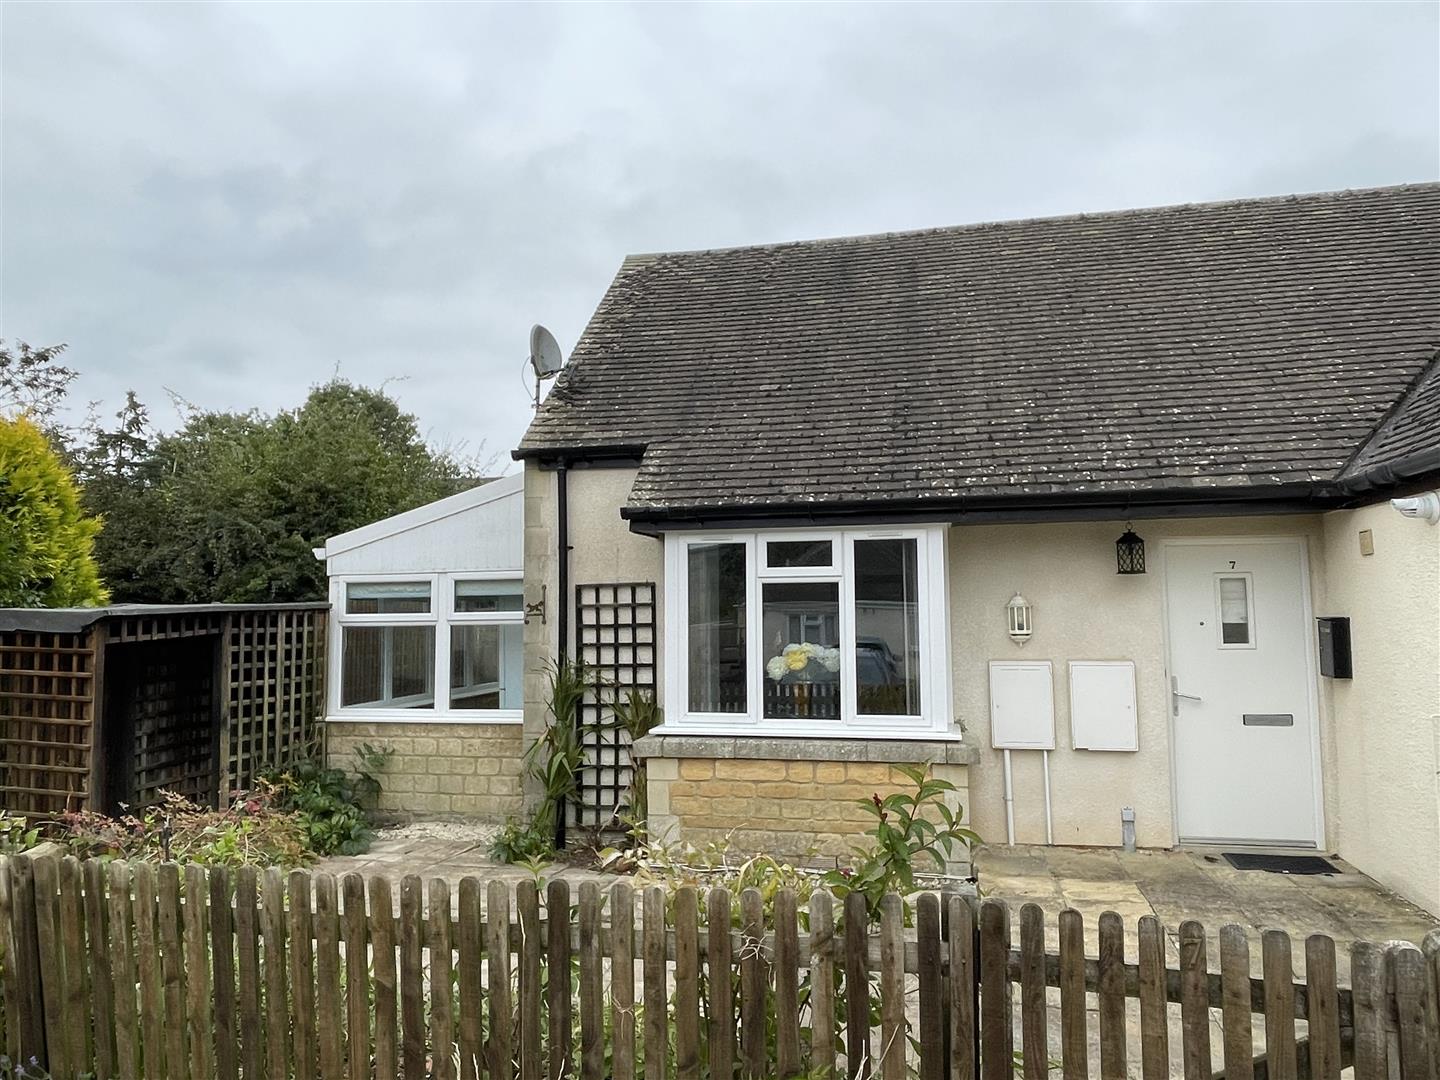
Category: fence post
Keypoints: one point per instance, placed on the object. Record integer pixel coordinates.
(1431, 948)
(1367, 981)
(857, 988)
(1194, 1002)
(1034, 1028)
(1111, 995)
(718, 965)
(892, 988)
(561, 1048)
(529, 981)
(1074, 1046)
(964, 979)
(997, 1037)
(1411, 1005)
(1280, 1052)
(622, 978)
(1154, 1030)
(1322, 1007)
(932, 986)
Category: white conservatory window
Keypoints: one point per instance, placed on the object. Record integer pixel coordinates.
(838, 632)
(400, 639)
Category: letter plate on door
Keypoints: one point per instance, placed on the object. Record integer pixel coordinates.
(1265, 719)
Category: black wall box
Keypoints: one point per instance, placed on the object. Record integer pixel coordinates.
(1334, 647)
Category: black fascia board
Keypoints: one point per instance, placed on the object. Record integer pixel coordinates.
(1096, 506)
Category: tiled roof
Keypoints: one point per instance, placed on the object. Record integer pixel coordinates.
(1224, 346)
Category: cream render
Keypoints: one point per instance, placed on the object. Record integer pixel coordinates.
(1385, 759)
(1373, 730)
(1083, 610)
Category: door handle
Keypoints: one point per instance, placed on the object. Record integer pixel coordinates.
(1176, 695)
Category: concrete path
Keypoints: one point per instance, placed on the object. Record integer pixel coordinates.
(1200, 885)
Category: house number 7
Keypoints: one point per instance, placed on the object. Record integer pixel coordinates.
(1232, 564)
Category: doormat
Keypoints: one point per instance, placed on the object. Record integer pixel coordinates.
(1281, 864)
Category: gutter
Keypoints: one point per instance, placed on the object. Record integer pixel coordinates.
(1412, 467)
(1305, 498)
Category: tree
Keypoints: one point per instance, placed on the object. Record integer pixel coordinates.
(33, 381)
(229, 507)
(46, 541)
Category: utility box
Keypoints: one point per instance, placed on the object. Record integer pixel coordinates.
(1335, 647)
(1102, 705)
(1022, 705)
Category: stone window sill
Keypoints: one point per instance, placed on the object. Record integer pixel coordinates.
(788, 748)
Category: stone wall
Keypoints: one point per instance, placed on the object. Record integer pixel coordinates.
(467, 771)
(799, 804)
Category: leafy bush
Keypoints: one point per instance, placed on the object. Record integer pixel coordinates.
(252, 831)
(47, 542)
(914, 831)
(637, 714)
(16, 835)
(519, 842)
(554, 761)
(333, 806)
(911, 829)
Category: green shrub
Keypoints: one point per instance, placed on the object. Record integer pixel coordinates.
(554, 761)
(16, 835)
(333, 806)
(251, 831)
(47, 543)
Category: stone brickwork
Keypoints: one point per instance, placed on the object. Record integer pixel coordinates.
(803, 810)
(439, 770)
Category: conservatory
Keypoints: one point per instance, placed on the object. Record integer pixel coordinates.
(426, 651)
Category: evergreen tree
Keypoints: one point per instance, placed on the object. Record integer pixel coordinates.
(46, 540)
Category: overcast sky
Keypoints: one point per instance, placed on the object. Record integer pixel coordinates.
(234, 202)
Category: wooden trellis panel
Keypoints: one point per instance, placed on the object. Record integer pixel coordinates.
(275, 688)
(615, 638)
(47, 712)
(190, 700)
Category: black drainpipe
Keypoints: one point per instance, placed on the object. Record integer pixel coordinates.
(562, 616)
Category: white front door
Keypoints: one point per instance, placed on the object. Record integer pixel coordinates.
(1241, 692)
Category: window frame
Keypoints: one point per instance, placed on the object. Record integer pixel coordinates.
(934, 719)
(1251, 623)
(442, 615)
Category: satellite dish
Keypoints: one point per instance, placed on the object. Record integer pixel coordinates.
(545, 356)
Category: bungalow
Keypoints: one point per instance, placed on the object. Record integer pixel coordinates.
(1093, 514)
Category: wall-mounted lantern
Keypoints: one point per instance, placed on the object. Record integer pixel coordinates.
(1129, 553)
(1021, 619)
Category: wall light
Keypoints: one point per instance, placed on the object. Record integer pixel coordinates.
(1129, 553)
(1424, 507)
(1021, 619)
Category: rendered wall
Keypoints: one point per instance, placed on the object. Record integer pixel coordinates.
(469, 771)
(1083, 610)
(603, 550)
(1386, 776)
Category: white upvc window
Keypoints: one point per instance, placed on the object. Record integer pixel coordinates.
(427, 647)
(808, 632)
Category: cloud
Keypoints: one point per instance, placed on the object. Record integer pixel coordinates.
(235, 200)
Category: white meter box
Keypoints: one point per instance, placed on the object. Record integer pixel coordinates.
(1102, 705)
(1022, 705)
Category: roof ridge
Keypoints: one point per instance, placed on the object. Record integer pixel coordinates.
(640, 259)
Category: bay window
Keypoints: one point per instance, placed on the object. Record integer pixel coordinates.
(818, 632)
(432, 646)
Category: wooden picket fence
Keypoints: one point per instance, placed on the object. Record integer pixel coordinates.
(136, 970)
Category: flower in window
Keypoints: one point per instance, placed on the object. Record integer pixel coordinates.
(797, 656)
(776, 668)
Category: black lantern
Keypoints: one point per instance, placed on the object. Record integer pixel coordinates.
(1129, 553)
